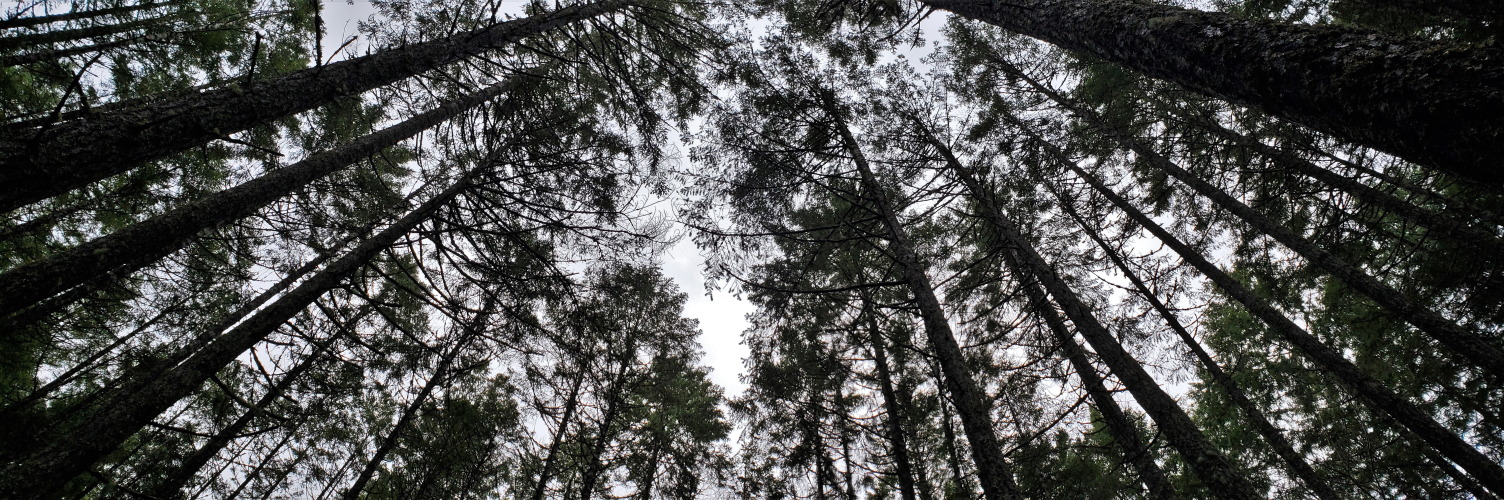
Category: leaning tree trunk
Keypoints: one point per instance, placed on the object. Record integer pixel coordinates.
(1375, 394)
(76, 445)
(23, 22)
(73, 154)
(53, 55)
(171, 486)
(1261, 424)
(1464, 342)
(440, 373)
(148, 241)
(1490, 11)
(1437, 104)
(1135, 451)
(970, 401)
(33, 40)
(894, 411)
(1182, 432)
(551, 460)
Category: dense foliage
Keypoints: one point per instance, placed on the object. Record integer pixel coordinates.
(1023, 249)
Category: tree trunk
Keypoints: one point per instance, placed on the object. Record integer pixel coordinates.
(178, 477)
(74, 154)
(603, 436)
(1178, 427)
(1440, 225)
(1266, 429)
(553, 448)
(76, 445)
(1378, 397)
(145, 242)
(1490, 11)
(53, 55)
(970, 401)
(1434, 103)
(23, 22)
(441, 372)
(1462, 341)
(1123, 431)
(896, 436)
(33, 40)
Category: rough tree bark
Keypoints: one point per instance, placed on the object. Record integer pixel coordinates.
(1434, 103)
(73, 154)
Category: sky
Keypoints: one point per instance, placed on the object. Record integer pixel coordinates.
(722, 316)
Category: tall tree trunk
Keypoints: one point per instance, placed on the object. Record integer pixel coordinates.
(1135, 450)
(1440, 225)
(1467, 343)
(895, 413)
(148, 241)
(553, 448)
(593, 467)
(1434, 103)
(23, 22)
(970, 401)
(77, 444)
(441, 373)
(1378, 397)
(33, 40)
(55, 54)
(1178, 427)
(171, 486)
(76, 153)
(1261, 424)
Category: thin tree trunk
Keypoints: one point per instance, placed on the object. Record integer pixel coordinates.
(74, 154)
(1482, 353)
(553, 448)
(1441, 225)
(971, 403)
(53, 55)
(1261, 424)
(603, 436)
(77, 444)
(1178, 427)
(1135, 450)
(1378, 397)
(33, 40)
(145, 242)
(441, 373)
(23, 22)
(896, 434)
(171, 486)
(1437, 104)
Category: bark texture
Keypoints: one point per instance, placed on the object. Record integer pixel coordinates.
(74, 154)
(1437, 104)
